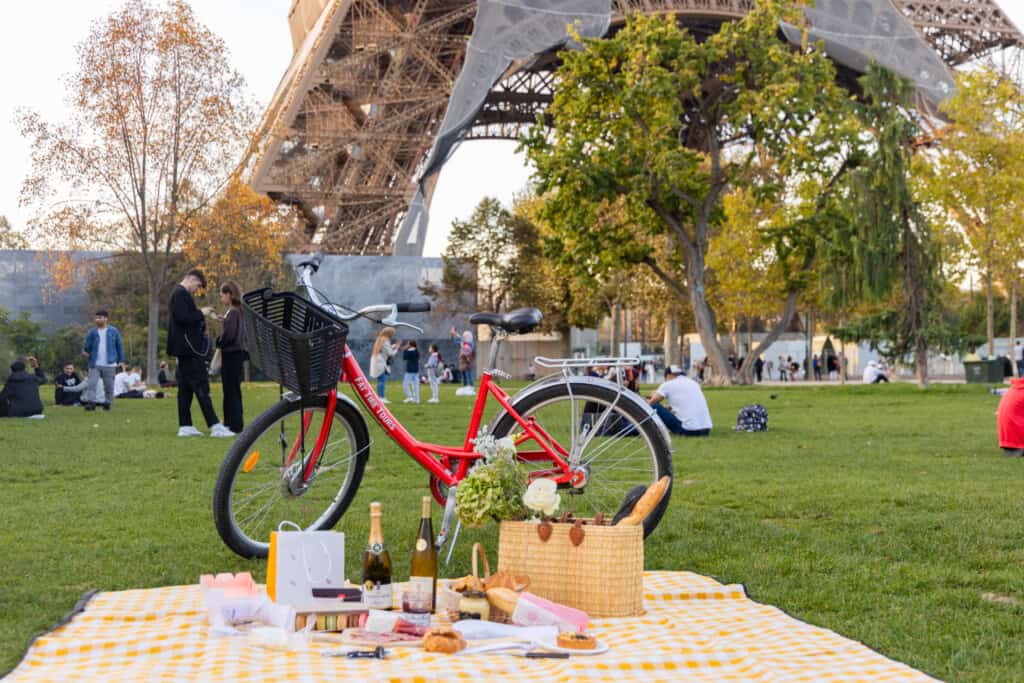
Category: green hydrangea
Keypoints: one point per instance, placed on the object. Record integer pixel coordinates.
(493, 489)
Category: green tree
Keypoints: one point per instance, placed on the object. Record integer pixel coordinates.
(24, 335)
(665, 123)
(63, 345)
(976, 176)
(886, 251)
(487, 241)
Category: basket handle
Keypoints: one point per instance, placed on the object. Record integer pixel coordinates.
(478, 551)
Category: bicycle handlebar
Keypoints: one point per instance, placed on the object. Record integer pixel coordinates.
(313, 262)
(310, 266)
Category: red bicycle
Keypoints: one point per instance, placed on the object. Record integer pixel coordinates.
(302, 460)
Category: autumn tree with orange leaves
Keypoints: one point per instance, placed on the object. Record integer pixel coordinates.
(158, 121)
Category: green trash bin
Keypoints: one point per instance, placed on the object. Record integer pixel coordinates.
(984, 371)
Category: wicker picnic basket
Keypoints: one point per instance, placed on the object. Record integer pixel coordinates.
(603, 575)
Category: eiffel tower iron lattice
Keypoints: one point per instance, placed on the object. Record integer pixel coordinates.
(367, 103)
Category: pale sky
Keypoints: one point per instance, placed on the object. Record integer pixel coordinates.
(38, 48)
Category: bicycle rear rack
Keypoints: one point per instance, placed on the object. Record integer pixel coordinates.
(573, 363)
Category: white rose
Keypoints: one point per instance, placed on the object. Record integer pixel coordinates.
(542, 496)
(506, 446)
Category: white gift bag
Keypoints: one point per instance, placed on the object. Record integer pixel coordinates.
(301, 561)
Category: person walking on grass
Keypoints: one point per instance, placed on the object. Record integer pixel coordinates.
(434, 372)
(411, 379)
(187, 341)
(380, 360)
(231, 343)
(104, 351)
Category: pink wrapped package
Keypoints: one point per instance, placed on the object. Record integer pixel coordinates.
(239, 585)
(532, 610)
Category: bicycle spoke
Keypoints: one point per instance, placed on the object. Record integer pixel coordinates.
(256, 492)
(261, 499)
(611, 444)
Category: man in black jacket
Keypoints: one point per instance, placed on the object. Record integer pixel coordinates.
(187, 340)
(69, 386)
(20, 395)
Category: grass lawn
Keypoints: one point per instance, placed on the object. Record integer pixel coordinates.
(884, 513)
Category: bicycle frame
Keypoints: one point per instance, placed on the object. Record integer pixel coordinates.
(436, 458)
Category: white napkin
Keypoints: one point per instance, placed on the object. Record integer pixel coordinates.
(475, 629)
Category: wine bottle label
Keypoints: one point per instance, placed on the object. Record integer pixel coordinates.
(424, 584)
(375, 548)
(377, 596)
(421, 544)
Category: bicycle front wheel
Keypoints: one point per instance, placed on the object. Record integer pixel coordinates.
(261, 481)
(612, 443)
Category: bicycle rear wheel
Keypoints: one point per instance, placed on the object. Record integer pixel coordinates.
(257, 488)
(614, 442)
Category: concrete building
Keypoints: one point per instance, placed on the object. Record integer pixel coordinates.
(27, 286)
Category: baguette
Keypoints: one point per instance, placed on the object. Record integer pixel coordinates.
(655, 492)
(504, 599)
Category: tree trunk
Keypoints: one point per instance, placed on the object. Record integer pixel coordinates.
(616, 330)
(152, 334)
(627, 330)
(672, 355)
(842, 352)
(809, 346)
(734, 340)
(747, 371)
(990, 316)
(707, 328)
(1013, 326)
(921, 362)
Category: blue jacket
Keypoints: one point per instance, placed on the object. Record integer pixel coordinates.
(115, 352)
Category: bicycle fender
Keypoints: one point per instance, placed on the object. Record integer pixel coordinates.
(627, 395)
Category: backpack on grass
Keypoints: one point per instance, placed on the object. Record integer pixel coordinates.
(752, 419)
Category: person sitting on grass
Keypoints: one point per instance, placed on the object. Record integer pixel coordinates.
(20, 395)
(162, 379)
(689, 415)
(873, 374)
(129, 384)
(63, 394)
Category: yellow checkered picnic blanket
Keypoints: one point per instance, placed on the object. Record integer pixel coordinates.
(694, 629)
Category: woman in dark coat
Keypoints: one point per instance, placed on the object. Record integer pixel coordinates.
(231, 343)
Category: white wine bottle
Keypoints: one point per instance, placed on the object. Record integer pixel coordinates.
(376, 565)
(423, 569)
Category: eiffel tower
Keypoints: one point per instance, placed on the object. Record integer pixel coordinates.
(379, 91)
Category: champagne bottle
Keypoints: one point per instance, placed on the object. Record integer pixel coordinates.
(376, 565)
(423, 569)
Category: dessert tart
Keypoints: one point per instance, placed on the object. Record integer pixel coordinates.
(576, 641)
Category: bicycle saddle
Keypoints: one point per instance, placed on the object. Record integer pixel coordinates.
(519, 321)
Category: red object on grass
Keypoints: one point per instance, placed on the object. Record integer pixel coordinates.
(1010, 416)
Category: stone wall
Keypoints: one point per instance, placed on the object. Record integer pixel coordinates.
(358, 281)
(25, 285)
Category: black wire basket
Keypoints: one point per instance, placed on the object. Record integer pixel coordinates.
(294, 341)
